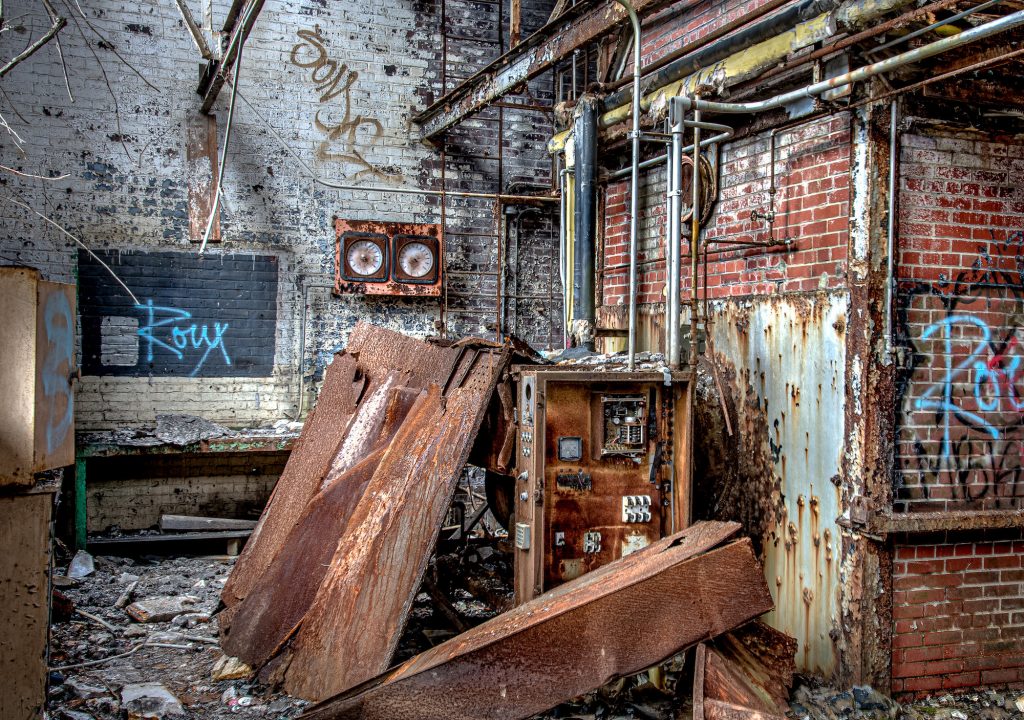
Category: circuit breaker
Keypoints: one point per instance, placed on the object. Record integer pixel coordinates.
(602, 469)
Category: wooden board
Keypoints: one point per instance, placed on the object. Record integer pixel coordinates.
(17, 374)
(25, 538)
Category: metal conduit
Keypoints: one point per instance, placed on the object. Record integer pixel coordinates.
(634, 192)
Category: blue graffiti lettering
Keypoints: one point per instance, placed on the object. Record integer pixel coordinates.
(993, 381)
(56, 372)
(183, 336)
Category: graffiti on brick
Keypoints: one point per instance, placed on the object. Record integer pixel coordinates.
(58, 361)
(212, 317)
(961, 425)
(345, 132)
(182, 338)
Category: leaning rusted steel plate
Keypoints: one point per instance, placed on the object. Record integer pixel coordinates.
(307, 465)
(353, 626)
(266, 618)
(615, 621)
(371, 356)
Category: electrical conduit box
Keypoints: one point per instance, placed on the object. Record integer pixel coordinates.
(603, 466)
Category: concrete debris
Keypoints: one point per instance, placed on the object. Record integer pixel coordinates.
(191, 619)
(75, 715)
(150, 700)
(1019, 703)
(63, 581)
(160, 609)
(126, 597)
(184, 430)
(81, 565)
(84, 690)
(230, 668)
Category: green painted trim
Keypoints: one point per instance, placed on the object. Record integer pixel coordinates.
(81, 514)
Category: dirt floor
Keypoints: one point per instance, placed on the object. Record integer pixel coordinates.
(98, 662)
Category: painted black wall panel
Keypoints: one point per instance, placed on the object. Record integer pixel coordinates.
(210, 316)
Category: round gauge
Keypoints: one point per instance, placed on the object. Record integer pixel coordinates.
(364, 257)
(416, 259)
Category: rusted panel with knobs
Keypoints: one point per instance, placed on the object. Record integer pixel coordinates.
(387, 258)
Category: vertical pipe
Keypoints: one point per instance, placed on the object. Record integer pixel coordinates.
(585, 218)
(675, 232)
(891, 232)
(562, 200)
(81, 510)
(634, 192)
(694, 237)
(668, 244)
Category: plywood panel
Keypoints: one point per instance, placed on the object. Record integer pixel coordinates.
(18, 338)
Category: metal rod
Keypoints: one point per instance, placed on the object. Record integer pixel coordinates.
(194, 31)
(939, 23)
(694, 236)
(634, 192)
(714, 140)
(1007, 22)
(674, 237)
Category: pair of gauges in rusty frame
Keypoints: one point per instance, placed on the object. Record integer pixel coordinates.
(708, 188)
(379, 258)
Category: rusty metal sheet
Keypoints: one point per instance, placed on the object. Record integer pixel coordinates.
(365, 598)
(615, 621)
(307, 465)
(744, 675)
(265, 619)
(201, 175)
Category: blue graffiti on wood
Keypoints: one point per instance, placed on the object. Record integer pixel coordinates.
(56, 369)
(181, 336)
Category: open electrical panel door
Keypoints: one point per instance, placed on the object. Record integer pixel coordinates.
(602, 469)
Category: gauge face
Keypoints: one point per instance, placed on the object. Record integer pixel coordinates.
(365, 257)
(416, 260)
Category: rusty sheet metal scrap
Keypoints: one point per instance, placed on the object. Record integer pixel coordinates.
(744, 675)
(615, 621)
(371, 355)
(365, 598)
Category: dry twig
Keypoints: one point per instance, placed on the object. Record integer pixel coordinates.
(58, 23)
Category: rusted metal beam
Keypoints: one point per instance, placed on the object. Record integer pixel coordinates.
(576, 27)
(615, 621)
(239, 24)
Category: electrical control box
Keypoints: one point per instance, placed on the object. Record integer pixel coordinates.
(602, 469)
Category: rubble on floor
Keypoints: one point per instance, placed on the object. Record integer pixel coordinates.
(814, 702)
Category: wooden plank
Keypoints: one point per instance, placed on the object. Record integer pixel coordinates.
(25, 538)
(362, 607)
(201, 169)
(129, 540)
(183, 523)
(616, 621)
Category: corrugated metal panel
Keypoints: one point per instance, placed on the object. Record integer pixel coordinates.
(615, 621)
(791, 350)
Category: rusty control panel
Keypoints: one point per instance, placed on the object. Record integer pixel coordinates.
(602, 469)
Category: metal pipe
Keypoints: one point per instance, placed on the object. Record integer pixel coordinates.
(585, 220)
(918, 33)
(694, 236)
(714, 140)
(891, 230)
(634, 192)
(1008, 22)
(667, 259)
(561, 251)
(674, 236)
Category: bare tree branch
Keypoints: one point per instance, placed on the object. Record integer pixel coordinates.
(34, 177)
(107, 45)
(50, 34)
(60, 48)
(81, 244)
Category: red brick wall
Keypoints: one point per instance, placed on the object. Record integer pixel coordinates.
(958, 609)
(961, 306)
(812, 206)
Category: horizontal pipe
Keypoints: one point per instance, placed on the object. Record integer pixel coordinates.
(918, 33)
(715, 139)
(924, 52)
